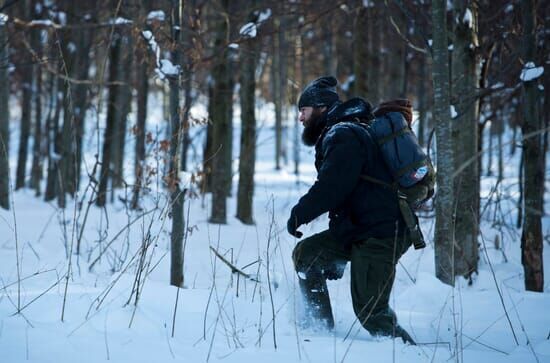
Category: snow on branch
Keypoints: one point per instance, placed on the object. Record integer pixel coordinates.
(530, 72)
(165, 68)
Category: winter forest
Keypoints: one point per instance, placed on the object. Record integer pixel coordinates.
(151, 153)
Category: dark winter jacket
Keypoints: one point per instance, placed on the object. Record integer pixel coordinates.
(344, 151)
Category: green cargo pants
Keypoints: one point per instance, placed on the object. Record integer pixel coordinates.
(372, 274)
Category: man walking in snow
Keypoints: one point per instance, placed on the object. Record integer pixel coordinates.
(366, 227)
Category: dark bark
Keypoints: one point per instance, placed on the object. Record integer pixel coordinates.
(208, 152)
(361, 53)
(247, 156)
(531, 236)
(374, 70)
(53, 139)
(110, 130)
(140, 129)
(37, 149)
(176, 193)
(24, 136)
(124, 100)
(4, 117)
(221, 124)
(277, 59)
(422, 102)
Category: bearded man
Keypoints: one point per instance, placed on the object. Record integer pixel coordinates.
(366, 227)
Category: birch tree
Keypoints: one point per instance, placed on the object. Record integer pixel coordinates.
(444, 239)
(465, 71)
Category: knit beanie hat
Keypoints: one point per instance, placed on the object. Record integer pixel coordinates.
(320, 92)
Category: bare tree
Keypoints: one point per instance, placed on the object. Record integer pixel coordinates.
(444, 239)
(4, 115)
(531, 236)
(465, 71)
(142, 79)
(361, 52)
(221, 123)
(110, 131)
(177, 195)
(26, 113)
(247, 159)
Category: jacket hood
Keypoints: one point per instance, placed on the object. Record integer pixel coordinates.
(349, 110)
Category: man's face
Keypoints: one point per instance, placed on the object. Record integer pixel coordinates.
(311, 118)
(305, 115)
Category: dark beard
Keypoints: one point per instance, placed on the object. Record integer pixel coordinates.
(314, 128)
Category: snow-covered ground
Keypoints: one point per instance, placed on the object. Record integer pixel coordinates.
(124, 308)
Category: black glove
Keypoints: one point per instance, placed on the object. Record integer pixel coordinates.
(334, 271)
(292, 226)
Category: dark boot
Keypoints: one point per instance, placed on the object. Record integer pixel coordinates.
(316, 301)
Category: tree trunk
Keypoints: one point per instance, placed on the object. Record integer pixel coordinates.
(444, 236)
(37, 155)
(80, 98)
(531, 236)
(189, 24)
(53, 139)
(4, 116)
(374, 70)
(466, 74)
(361, 53)
(247, 159)
(26, 114)
(209, 151)
(221, 124)
(397, 55)
(124, 100)
(278, 102)
(110, 130)
(177, 195)
(422, 101)
(141, 129)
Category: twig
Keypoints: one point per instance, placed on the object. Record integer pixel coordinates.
(498, 289)
(175, 310)
(233, 268)
(267, 269)
(117, 235)
(485, 345)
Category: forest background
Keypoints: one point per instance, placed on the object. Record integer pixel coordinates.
(143, 127)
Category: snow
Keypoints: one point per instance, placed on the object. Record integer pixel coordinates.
(468, 18)
(221, 317)
(249, 30)
(530, 72)
(451, 47)
(453, 111)
(509, 8)
(62, 17)
(430, 42)
(46, 22)
(167, 68)
(164, 66)
(119, 20)
(264, 15)
(156, 15)
(233, 45)
(3, 18)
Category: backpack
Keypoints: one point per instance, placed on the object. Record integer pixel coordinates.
(411, 168)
